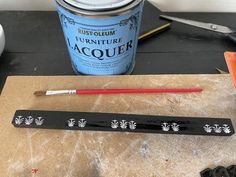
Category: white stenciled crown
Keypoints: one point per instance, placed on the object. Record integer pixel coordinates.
(207, 128)
(123, 124)
(82, 123)
(165, 127)
(132, 125)
(226, 128)
(114, 124)
(19, 120)
(175, 127)
(217, 128)
(29, 120)
(39, 121)
(71, 122)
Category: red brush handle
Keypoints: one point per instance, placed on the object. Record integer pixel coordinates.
(119, 91)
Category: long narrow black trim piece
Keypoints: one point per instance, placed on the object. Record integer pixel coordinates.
(122, 123)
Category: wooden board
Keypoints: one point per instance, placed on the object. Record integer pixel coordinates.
(74, 153)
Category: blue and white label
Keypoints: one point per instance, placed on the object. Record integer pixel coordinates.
(102, 46)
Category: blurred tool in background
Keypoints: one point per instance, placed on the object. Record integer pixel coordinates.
(153, 32)
(2, 40)
(228, 32)
(230, 58)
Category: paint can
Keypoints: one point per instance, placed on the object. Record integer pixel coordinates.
(101, 35)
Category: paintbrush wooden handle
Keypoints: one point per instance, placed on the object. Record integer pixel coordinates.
(123, 91)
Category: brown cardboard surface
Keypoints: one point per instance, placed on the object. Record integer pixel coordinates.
(89, 154)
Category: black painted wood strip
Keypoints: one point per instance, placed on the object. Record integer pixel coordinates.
(122, 123)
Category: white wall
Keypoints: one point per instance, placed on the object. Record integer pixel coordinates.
(196, 5)
(165, 5)
(27, 4)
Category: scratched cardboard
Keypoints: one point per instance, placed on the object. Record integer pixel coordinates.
(53, 153)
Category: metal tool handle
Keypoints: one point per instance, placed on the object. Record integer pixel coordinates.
(153, 32)
(2, 40)
(232, 36)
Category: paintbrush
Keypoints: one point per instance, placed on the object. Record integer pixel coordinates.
(117, 91)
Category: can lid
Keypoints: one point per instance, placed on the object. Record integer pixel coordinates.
(98, 5)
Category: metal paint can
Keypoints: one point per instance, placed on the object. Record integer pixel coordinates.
(101, 35)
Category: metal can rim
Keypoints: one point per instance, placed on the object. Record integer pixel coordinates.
(100, 5)
(99, 14)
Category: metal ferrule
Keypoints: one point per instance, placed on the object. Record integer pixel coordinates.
(59, 92)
